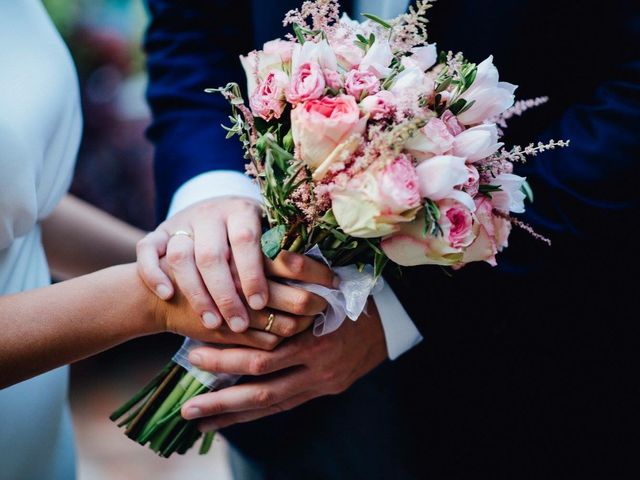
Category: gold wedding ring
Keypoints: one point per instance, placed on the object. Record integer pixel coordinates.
(182, 232)
(270, 320)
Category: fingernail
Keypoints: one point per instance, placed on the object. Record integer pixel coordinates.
(163, 291)
(256, 301)
(192, 412)
(195, 359)
(336, 282)
(237, 324)
(211, 320)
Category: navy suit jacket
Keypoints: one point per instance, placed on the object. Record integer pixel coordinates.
(527, 369)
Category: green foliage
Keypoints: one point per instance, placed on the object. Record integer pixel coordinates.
(487, 190)
(272, 240)
(378, 20)
(526, 189)
(431, 219)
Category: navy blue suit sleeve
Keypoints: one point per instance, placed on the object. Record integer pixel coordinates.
(587, 194)
(192, 45)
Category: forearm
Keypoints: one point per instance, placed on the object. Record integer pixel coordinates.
(45, 328)
(79, 239)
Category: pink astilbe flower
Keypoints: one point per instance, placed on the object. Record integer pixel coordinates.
(518, 109)
(315, 15)
(410, 29)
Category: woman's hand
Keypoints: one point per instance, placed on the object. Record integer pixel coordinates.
(289, 311)
(212, 252)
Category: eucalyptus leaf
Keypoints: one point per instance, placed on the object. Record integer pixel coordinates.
(378, 20)
(271, 241)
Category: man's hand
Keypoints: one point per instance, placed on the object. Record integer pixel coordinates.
(300, 369)
(214, 230)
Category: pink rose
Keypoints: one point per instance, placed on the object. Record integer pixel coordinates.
(307, 83)
(399, 185)
(410, 246)
(360, 84)
(379, 106)
(325, 130)
(374, 203)
(280, 48)
(333, 80)
(431, 140)
(484, 247)
(457, 222)
(472, 184)
(267, 101)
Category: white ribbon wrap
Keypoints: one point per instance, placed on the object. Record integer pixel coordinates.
(348, 300)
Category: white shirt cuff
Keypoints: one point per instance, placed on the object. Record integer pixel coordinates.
(217, 183)
(400, 332)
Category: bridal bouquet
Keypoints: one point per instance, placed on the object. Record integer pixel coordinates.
(370, 147)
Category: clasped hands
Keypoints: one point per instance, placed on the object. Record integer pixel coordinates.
(215, 267)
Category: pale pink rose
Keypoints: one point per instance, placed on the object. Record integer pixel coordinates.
(360, 84)
(432, 139)
(503, 230)
(456, 222)
(452, 123)
(409, 246)
(257, 65)
(477, 143)
(374, 203)
(379, 106)
(280, 48)
(490, 96)
(268, 100)
(438, 176)
(472, 184)
(378, 58)
(510, 197)
(307, 83)
(320, 126)
(333, 80)
(484, 247)
(398, 184)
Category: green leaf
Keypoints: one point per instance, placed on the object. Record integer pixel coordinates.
(467, 107)
(362, 39)
(431, 217)
(457, 106)
(487, 190)
(470, 77)
(298, 31)
(444, 85)
(526, 189)
(329, 218)
(378, 20)
(271, 241)
(379, 262)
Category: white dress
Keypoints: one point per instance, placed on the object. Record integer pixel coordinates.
(40, 126)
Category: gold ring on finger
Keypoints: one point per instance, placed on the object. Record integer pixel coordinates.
(270, 321)
(183, 233)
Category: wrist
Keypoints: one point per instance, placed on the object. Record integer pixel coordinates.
(149, 317)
